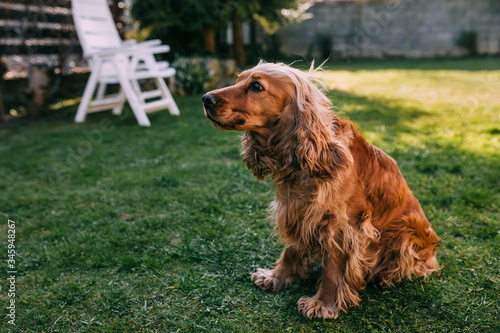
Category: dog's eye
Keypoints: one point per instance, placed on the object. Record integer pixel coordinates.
(255, 86)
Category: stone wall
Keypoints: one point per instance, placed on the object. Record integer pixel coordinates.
(393, 28)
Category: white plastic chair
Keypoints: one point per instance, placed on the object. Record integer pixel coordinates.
(113, 61)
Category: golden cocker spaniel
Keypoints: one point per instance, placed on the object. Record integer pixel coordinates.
(339, 199)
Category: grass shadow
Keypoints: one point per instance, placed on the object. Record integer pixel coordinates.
(375, 112)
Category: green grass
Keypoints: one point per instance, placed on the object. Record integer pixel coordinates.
(159, 228)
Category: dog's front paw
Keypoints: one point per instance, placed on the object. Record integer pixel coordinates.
(267, 279)
(314, 308)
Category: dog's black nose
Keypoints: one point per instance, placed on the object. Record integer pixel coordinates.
(209, 101)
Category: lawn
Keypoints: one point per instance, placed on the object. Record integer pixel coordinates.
(121, 228)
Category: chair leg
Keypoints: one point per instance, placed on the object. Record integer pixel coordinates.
(137, 89)
(121, 63)
(87, 93)
(101, 90)
(117, 110)
(172, 107)
(174, 110)
(140, 114)
(134, 102)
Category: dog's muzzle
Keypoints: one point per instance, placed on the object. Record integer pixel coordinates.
(209, 101)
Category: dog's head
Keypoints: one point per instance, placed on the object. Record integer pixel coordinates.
(260, 97)
(290, 115)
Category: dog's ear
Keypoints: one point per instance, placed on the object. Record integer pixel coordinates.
(305, 138)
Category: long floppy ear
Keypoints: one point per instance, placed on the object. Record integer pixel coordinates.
(304, 135)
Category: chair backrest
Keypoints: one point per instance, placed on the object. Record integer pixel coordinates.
(94, 25)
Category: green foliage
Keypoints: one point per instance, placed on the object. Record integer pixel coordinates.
(270, 13)
(322, 45)
(271, 48)
(158, 229)
(468, 40)
(181, 23)
(177, 23)
(192, 74)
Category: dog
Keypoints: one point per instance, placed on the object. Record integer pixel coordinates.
(340, 200)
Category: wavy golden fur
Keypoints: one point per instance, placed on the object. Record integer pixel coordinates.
(339, 199)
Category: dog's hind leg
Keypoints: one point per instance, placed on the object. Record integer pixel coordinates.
(409, 252)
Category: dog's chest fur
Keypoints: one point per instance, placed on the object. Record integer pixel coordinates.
(297, 217)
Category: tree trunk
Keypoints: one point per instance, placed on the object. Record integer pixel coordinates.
(209, 40)
(253, 42)
(239, 49)
(39, 90)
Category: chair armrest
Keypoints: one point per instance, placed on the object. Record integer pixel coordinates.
(129, 42)
(148, 43)
(129, 51)
(152, 45)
